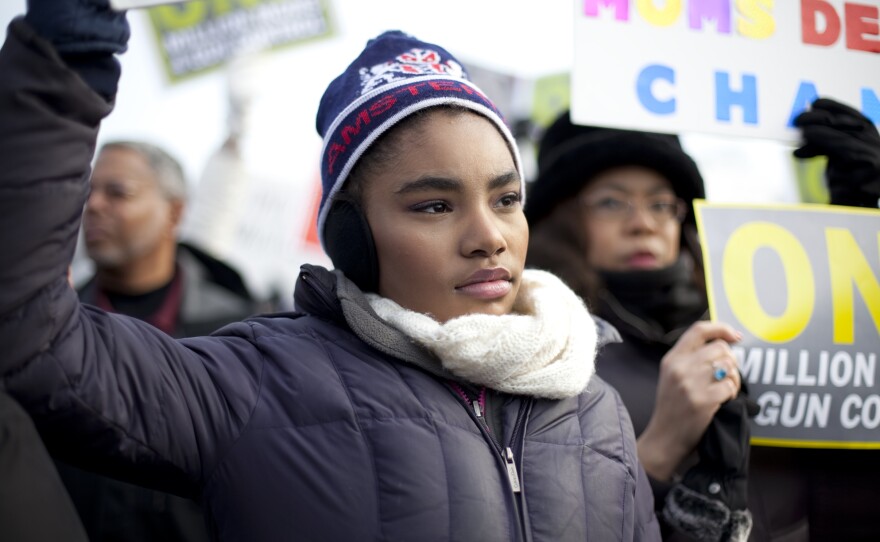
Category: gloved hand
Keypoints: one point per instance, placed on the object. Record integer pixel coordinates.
(86, 33)
(79, 26)
(710, 503)
(852, 144)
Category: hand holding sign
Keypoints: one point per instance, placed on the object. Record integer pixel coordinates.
(688, 395)
(86, 34)
(852, 144)
(79, 26)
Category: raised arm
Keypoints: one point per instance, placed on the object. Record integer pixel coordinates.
(103, 389)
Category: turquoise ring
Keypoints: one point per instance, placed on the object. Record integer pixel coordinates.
(719, 372)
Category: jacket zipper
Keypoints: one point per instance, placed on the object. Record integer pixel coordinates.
(507, 453)
(514, 454)
(477, 412)
(512, 474)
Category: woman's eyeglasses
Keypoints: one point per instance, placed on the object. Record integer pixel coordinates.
(661, 209)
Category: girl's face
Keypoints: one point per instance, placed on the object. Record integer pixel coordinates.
(632, 220)
(447, 219)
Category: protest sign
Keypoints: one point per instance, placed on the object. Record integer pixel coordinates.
(197, 36)
(743, 68)
(801, 283)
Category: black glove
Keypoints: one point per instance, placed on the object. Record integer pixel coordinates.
(710, 503)
(79, 26)
(852, 144)
(87, 34)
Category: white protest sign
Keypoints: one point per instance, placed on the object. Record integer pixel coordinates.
(802, 283)
(743, 67)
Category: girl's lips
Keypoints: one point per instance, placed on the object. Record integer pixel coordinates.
(491, 289)
(486, 284)
(486, 275)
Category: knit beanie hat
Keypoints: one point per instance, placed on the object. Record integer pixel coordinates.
(394, 76)
(569, 156)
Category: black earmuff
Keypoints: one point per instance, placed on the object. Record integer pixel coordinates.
(349, 243)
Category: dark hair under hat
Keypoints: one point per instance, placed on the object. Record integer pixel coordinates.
(570, 155)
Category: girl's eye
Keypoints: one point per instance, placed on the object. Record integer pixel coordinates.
(433, 207)
(510, 200)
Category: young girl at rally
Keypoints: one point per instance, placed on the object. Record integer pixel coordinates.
(428, 389)
(611, 214)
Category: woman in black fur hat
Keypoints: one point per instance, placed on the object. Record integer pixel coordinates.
(611, 214)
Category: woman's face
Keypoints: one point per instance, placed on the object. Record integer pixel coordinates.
(631, 218)
(447, 220)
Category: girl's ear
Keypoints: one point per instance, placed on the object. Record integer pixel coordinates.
(348, 241)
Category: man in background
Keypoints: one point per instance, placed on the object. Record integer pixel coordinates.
(130, 228)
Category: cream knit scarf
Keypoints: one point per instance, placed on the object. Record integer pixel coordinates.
(544, 348)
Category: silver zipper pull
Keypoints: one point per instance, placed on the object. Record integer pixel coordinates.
(511, 470)
(477, 410)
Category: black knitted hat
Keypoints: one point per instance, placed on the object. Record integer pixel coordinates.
(570, 155)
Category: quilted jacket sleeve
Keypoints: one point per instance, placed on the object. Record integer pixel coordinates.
(106, 392)
(646, 525)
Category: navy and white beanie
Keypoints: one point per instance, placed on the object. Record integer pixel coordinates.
(395, 76)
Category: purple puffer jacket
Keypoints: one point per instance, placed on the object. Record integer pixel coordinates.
(320, 425)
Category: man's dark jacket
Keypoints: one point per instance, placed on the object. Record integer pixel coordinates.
(213, 294)
(324, 424)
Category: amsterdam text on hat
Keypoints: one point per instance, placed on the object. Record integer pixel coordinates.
(395, 76)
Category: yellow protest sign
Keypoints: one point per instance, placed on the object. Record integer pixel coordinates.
(802, 283)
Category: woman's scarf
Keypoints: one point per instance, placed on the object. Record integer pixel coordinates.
(666, 301)
(545, 348)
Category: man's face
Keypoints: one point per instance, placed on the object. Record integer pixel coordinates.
(446, 218)
(127, 218)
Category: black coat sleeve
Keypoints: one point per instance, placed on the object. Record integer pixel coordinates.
(107, 392)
